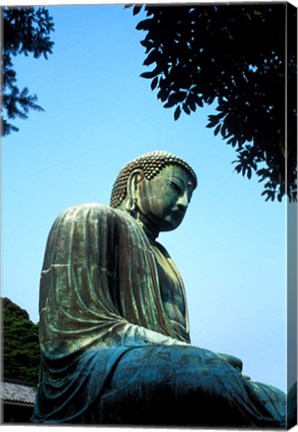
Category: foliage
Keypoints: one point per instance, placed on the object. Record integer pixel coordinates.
(25, 31)
(21, 355)
(234, 55)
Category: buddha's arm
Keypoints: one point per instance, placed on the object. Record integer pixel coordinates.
(92, 282)
(134, 335)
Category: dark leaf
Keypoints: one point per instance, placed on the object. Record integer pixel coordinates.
(180, 96)
(169, 104)
(136, 9)
(154, 83)
(151, 58)
(191, 102)
(162, 95)
(148, 74)
(217, 129)
(213, 121)
(144, 25)
(151, 74)
(177, 112)
(186, 109)
(172, 100)
(147, 43)
(198, 100)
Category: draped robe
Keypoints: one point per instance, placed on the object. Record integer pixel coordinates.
(111, 349)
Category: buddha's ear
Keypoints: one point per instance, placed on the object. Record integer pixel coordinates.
(132, 183)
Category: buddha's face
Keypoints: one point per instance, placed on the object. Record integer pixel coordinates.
(163, 200)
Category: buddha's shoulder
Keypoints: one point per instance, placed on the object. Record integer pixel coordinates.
(91, 212)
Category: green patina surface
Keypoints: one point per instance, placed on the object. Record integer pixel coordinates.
(114, 328)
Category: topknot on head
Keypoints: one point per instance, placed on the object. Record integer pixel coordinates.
(151, 164)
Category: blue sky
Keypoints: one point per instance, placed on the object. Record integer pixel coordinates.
(99, 114)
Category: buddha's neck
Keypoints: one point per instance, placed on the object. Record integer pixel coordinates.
(151, 231)
(149, 228)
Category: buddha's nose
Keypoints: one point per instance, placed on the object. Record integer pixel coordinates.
(183, 201)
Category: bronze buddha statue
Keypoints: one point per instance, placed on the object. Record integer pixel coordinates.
(114, 329)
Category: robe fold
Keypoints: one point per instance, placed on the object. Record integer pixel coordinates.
(111, 348)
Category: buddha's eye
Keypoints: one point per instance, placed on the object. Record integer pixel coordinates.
(189, 192)
(176, 187)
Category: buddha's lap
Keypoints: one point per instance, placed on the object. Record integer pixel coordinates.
(175, 365)
(155, 384)
(163, 380)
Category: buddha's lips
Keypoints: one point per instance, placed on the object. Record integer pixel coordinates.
(177, 213)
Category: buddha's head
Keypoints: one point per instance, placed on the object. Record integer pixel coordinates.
(155, 188)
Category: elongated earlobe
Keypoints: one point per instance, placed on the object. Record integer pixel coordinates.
(132, 187)
(130, 205)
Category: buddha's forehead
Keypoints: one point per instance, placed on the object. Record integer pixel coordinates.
(176, 171)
